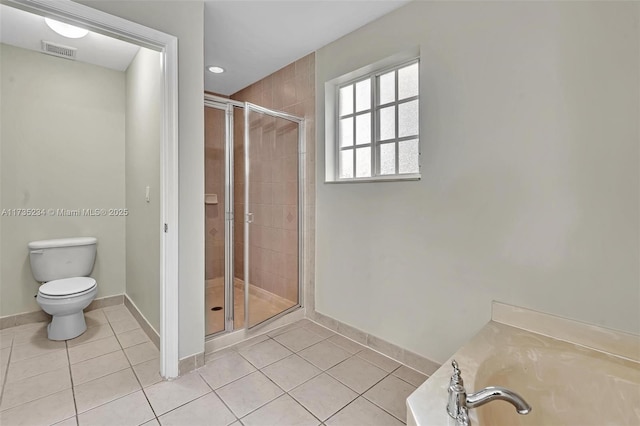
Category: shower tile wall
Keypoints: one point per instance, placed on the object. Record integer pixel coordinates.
(292, 90)
(214, 184)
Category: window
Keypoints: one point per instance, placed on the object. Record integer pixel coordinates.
(377, 124)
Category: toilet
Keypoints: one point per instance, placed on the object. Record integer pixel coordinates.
(63, 266)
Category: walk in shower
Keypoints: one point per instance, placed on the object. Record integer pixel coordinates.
(253, 214)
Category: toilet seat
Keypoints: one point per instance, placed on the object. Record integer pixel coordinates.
(66, 287)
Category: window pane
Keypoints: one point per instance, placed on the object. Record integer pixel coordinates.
(363, 95)
(408, 156)
(346, 100)
(408, 119)
(387, 87)
(363, 162)
(363, 128)
(408, 81)
(346, 131)
(387, 123)
(388, 159)
(346, 163)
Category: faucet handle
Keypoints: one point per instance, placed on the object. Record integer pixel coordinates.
(457, 394)
(456, 378)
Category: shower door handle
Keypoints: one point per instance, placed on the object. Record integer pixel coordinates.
(249, 217)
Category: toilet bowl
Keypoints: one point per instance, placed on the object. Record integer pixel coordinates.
(63, 266)
(65, 301)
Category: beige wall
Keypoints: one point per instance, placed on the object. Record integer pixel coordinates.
(530, 177)
(62, 147)
(274, 238)
(142, 169)
(185, 20)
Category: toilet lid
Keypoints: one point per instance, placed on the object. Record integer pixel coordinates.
(67, 286)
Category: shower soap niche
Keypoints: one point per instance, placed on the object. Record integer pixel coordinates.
(211, 198)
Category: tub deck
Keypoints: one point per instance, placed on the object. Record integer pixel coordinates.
(565, 383)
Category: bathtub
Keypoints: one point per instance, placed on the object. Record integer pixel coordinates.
(565, 383)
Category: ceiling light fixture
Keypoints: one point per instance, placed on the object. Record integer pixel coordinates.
(66, 30)
(216, 70)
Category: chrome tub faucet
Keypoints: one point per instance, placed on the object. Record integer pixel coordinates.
(460, 403)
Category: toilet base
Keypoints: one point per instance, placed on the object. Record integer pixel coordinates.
(67, 314)
(65, 327)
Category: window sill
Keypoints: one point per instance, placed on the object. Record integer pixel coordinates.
(395, 178)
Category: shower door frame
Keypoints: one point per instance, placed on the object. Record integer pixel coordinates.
(229, 105)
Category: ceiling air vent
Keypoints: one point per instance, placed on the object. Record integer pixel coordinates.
(59, 50)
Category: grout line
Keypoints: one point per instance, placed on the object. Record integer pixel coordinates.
(133, 370)
(378, 405)
(385, 410)
(233, 381)
(360, 394)
(309, 379)
(114, 400)
(93, 357)
(363, 396)
(268, 402)
(223, 402)
(294, 353)
(406, 381)
(296, 387)
(218, 396)
(268, 378)
(66, 349)
(321, 372)
(266, 365)
(32, 358)
(336, 413)
(351, 355)
(6, 373)
(40, 397)
(305, 408)
(73, 389)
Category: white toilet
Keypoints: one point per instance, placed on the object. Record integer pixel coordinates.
(63, 265)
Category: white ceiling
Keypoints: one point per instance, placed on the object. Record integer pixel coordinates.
(252, 39)
(27, 30)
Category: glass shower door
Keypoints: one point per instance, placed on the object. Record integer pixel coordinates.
(272, 221)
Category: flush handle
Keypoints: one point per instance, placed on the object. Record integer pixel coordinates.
(36, 252)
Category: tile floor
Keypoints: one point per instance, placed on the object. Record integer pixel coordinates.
(301, 374)
(96, 378)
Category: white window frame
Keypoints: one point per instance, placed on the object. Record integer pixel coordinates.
(373, 110)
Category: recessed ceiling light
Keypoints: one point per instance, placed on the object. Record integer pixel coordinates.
(66, 30)
(216, 70)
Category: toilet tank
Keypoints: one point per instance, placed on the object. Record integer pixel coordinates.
(62, 258)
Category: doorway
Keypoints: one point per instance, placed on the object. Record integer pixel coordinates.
(167, 45)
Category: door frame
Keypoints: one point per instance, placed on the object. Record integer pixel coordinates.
(113, 26)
